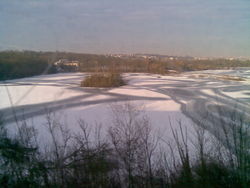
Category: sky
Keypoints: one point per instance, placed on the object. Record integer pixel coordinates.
(201, 28)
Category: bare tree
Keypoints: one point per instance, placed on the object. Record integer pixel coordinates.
(134, 144)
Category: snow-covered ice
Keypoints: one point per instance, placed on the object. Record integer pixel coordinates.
(164, 98)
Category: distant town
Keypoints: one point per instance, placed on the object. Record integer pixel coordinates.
(170, 57)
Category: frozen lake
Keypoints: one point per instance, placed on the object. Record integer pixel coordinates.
(189, 97)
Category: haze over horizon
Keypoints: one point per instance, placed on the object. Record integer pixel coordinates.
(215, 28)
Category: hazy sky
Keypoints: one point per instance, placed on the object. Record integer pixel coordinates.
(173, 27)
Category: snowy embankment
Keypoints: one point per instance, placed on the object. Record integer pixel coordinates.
(180, 98)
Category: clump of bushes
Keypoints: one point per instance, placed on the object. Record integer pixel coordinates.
(103, 80)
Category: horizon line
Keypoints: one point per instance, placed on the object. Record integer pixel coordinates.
(122, 53)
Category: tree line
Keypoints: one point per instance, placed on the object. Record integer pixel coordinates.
(15, 64)
(18, 64)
